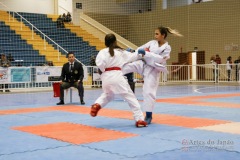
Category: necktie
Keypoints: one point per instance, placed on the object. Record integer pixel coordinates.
(71, 67)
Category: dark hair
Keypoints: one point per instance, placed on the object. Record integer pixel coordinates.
(111, 43)
(165, 30)
(70, 53)
(213, 58)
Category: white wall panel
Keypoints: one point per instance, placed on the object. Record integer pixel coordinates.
(30, 6)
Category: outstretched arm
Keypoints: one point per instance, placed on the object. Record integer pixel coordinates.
(131, 56)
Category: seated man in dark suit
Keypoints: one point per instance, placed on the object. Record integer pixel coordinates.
(71, 76)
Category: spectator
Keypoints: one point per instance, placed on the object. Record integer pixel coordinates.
(64, 17)
(68, 18)
(10, 57)
(60, 23)
(71, 76)
(215, 69)
(4, 62)
(237, 64)
(50, 63)
(229, 67)
(218, 59)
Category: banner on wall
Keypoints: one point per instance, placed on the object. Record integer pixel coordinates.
(42, 73)
(3, 75)
(20, 74)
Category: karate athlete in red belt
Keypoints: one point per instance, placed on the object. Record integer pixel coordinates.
(110, 61)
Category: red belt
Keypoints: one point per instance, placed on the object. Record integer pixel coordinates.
(112, 68)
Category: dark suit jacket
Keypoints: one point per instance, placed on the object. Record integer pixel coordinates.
(76, 74)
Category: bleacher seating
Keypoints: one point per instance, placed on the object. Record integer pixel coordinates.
(12, 43)
(62, 36)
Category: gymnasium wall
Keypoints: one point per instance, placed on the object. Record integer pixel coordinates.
(213, 27)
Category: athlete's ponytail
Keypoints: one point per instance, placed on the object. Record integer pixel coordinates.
(111, 43)
(166, 30)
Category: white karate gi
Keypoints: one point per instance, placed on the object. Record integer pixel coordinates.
(149, 71)
(113, 82)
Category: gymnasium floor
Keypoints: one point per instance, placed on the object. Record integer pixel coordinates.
(189, 122)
